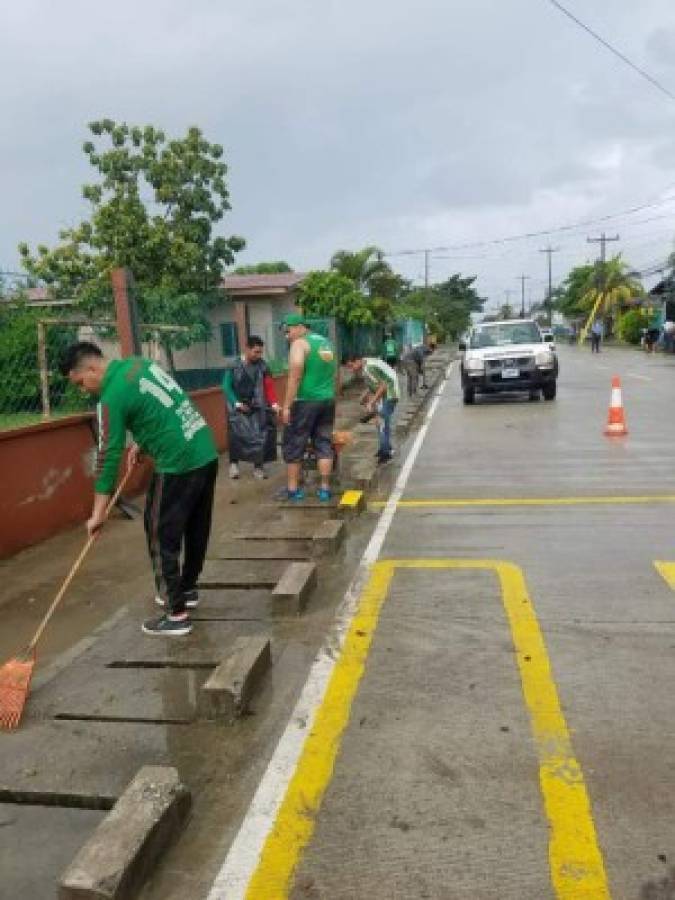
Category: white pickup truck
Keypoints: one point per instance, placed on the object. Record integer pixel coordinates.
(510, 356)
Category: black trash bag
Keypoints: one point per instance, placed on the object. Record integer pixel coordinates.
(253, 435)
(270, 447)
(246, 436)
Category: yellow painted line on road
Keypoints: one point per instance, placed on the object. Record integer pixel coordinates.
(667, 571)
(451, 503)
(575, 860)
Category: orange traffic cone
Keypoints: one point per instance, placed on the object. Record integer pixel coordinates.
(616, 420)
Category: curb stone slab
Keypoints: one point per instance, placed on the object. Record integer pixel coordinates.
(294, 587)
(119, 856)
(328, 537)
(229, 690)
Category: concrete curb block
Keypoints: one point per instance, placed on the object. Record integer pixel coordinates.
(328, 537)
(119, 856)
(362, 474)
(229, 689)
(294, 587)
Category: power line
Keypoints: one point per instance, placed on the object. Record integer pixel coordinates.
(653, 81)
(534, 234)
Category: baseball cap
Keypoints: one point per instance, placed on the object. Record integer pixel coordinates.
(294, 319)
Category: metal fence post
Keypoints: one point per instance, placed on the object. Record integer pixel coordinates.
(126, 313)
(42, 365)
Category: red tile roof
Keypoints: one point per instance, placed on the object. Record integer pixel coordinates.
(261, 283)
(39, 293)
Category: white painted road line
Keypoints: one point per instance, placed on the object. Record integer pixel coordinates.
(242, 858)
(641, 377)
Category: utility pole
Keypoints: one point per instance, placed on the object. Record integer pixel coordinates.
(603, 240)
(522, 279)
(549, 252)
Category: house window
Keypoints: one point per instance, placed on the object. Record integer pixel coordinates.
(229, 339)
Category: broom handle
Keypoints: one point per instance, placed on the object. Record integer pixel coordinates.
(76, 565)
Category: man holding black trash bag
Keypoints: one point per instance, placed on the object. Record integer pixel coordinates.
(252, 407)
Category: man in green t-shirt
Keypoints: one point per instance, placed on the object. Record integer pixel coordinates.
(390, 351)
(309, 407)
(382, 397)
(136, 395)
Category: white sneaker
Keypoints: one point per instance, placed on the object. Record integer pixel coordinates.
(259, 473)
(234, 470)
(191, 600)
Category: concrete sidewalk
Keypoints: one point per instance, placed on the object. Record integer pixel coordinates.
(107, 700)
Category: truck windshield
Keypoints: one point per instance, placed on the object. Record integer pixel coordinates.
(505, 334)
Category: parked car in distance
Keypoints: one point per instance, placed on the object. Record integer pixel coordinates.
(507, 357)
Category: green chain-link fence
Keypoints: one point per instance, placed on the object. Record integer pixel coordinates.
(31, 388)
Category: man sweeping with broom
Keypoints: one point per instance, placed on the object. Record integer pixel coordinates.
(137, 395)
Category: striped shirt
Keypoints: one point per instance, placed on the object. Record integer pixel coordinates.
(376, 372)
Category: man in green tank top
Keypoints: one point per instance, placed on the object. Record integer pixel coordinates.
(136, 395)
(309, 408)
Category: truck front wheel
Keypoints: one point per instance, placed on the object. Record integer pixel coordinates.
(469, 395)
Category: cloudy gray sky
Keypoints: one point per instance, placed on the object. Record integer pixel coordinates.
(404, 124)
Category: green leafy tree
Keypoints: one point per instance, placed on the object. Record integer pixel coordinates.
(362, 267)
(332, 294)
(446, 307)
(453, 302)
(569, 297)
(506, 311)
(608, 284)
(373, 276)
(611, 285)
(264, 268)
(630, 325)
(154, 207)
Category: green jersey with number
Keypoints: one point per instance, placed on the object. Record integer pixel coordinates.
(138, 396)
(318, 378)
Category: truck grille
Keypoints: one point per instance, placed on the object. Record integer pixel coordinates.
(511, 362)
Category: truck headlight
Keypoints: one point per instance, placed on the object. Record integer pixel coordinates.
(475, 365)
(544, 359)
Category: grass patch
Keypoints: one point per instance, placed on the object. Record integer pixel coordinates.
(11, 421)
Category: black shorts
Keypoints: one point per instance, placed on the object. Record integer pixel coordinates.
(310, 420)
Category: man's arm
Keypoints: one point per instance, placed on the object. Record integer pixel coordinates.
(296, 367)
(228, 388)
(112, 434)
(270, 391)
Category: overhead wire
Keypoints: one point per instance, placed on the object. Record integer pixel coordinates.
(612, 49)
(534, 234)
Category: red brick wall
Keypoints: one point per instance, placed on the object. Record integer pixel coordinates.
(46, 472)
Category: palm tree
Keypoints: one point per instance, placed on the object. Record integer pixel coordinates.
(363, 267)
(373, 276)
(506, 312)
(610, 285)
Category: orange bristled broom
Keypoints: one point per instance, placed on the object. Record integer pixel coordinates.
(16, 674)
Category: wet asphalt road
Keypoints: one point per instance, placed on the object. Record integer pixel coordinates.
(437, 788)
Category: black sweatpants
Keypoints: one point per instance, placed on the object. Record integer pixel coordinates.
(178, 517)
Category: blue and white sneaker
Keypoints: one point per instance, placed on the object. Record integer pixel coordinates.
(165, 626)
(191, 600)
(324, 495)
(295, 496)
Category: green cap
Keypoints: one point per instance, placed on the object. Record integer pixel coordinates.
(294, 319)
